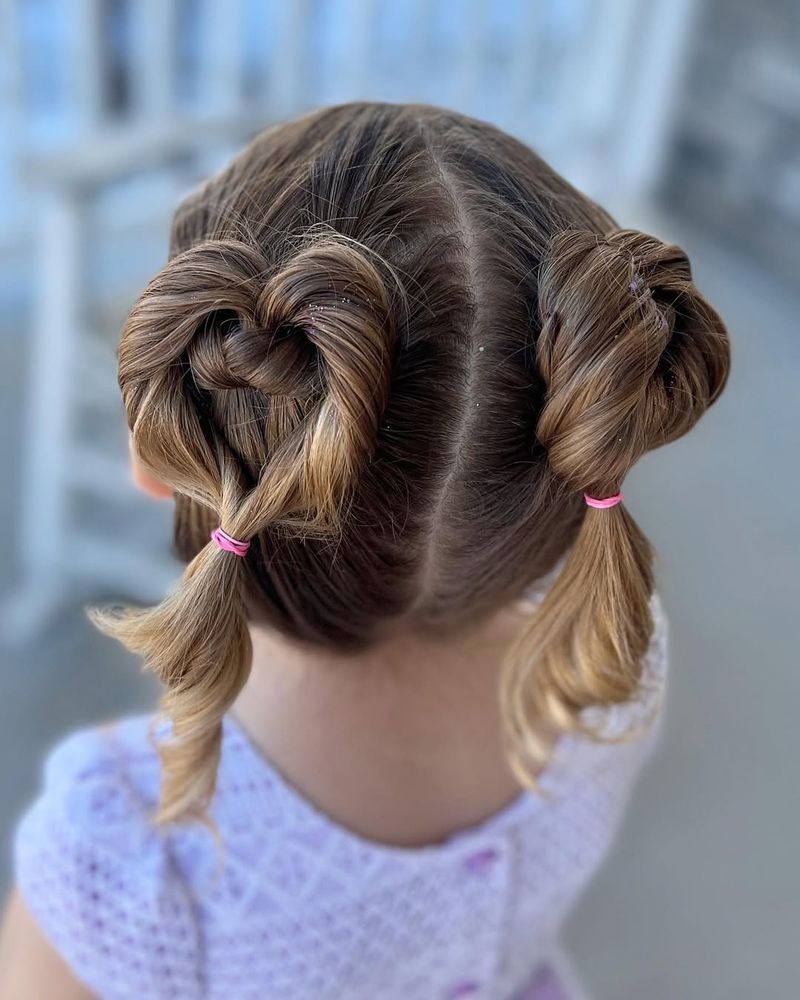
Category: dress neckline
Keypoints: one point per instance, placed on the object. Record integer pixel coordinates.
(566, 756)
(526, 802)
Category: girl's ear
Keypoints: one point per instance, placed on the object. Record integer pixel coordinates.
(144, 480)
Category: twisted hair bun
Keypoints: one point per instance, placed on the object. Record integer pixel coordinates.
(628, 351)
(631, 356)
(298, 358)
(312, 337)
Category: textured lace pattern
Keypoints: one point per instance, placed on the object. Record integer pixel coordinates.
(302, 908)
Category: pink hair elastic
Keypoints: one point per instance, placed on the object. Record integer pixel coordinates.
(228, 543)
(604, 502)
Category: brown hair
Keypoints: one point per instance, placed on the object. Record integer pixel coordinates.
(393, 348)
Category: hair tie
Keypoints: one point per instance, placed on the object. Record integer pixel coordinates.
(604, 502)
(228, 543)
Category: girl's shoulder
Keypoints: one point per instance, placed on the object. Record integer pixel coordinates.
(99, 781)
(95, 873)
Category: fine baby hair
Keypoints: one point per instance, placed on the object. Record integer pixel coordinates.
(393, 358)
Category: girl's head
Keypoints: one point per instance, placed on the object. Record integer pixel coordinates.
(392, 349)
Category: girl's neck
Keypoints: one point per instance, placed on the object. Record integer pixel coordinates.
(401, 743)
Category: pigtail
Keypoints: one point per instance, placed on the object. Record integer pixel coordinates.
(196, 642)
(225, 356)
(630, 356)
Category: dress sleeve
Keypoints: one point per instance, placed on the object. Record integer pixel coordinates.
(97, 877)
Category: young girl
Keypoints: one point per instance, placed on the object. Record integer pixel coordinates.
(394, 375)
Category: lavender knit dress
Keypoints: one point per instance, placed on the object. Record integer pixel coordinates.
(303, 909)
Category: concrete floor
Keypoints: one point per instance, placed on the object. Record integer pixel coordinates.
(700, 899)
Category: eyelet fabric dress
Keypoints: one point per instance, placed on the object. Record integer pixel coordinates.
(299, 907)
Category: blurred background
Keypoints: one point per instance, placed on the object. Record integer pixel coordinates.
(683, 117)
